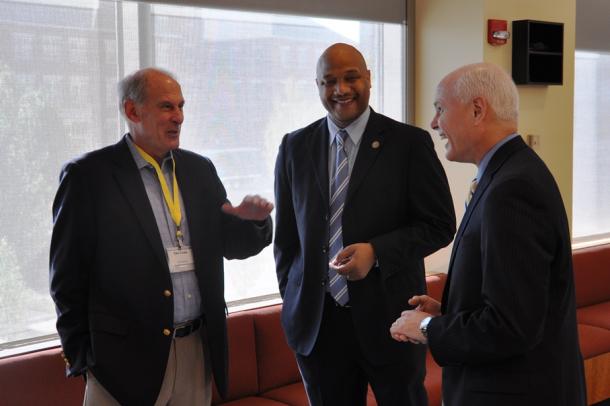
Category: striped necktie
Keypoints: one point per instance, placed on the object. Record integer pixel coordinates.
(338, 192)
(473, 188)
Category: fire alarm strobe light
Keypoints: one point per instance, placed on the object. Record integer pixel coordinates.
(497, 32)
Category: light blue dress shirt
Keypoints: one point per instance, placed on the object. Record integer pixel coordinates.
(355, 131)
(187, 300)
(487, 157)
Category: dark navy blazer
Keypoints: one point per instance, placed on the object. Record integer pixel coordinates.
(109, 271)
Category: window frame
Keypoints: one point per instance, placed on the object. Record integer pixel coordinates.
(21, 346)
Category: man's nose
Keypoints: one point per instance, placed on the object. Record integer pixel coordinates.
(178, 117)
(341, 87)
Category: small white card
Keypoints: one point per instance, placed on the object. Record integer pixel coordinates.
(180, 259)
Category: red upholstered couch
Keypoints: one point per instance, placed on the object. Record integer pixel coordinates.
(592, 280)
(263, 370)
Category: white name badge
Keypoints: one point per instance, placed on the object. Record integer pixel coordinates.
(180, 259)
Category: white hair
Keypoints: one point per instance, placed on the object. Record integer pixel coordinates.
(493, 84)
(133, 87)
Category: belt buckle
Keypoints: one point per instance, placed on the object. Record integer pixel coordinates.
(187, 328)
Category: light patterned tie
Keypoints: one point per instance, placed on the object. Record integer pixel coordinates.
(473, 188)
(338, 192)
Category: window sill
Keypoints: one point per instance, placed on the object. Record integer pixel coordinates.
(52, 340)
(590, 241)
(23, 347)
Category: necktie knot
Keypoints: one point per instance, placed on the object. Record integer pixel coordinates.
(473, 185)
(341, 137)
(473, 188)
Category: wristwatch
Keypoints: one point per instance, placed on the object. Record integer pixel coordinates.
(423, 326)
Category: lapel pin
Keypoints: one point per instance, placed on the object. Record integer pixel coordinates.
(375, 144)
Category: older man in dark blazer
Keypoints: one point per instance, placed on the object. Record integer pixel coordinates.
(505, 333)
(141, 229)
(380, 192)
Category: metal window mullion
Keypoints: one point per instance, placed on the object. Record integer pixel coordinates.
(146, 35)
(120, 55)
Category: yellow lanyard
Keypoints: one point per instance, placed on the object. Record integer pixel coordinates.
(173, 203)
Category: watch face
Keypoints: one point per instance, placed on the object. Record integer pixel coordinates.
(423, 326)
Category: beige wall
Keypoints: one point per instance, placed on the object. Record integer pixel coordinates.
(451, 33)
(545, 110)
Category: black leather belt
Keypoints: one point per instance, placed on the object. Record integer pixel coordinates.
(188, 327)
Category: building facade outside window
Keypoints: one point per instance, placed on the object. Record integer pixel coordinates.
(248, 78)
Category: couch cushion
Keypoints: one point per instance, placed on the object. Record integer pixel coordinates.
(435, 285)
(593, 340)
(592, 274)
(38, 378)
(595, 315)
(254, 401)
(243, 377)
(276, 362)
(370, 398)
(295, 395)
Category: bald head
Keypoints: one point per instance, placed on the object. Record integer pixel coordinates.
(344, 83)
(340, 51)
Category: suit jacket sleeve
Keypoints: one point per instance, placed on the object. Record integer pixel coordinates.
(70, 263)
(430, 211)
(517, 244)
(286, 237)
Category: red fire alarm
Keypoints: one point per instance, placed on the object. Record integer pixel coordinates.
(497, 32)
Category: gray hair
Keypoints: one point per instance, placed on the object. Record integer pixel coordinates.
(493, 84)
(133, 86)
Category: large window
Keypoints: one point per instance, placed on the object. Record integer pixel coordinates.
(248, 78)
(591, 205)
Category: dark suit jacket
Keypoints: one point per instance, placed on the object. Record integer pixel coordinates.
(398, 200)
(109, 270)
(508, 331)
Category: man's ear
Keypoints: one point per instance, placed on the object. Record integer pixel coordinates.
(131, 111)
(479, 108)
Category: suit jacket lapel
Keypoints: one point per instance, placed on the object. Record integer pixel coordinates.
(318, 153)
(499, 158)
(370, 145)
(130, 182)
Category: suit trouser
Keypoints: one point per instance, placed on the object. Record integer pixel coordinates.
(336, 373)
(187, 380)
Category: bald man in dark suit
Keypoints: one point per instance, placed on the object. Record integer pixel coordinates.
(394, 209)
